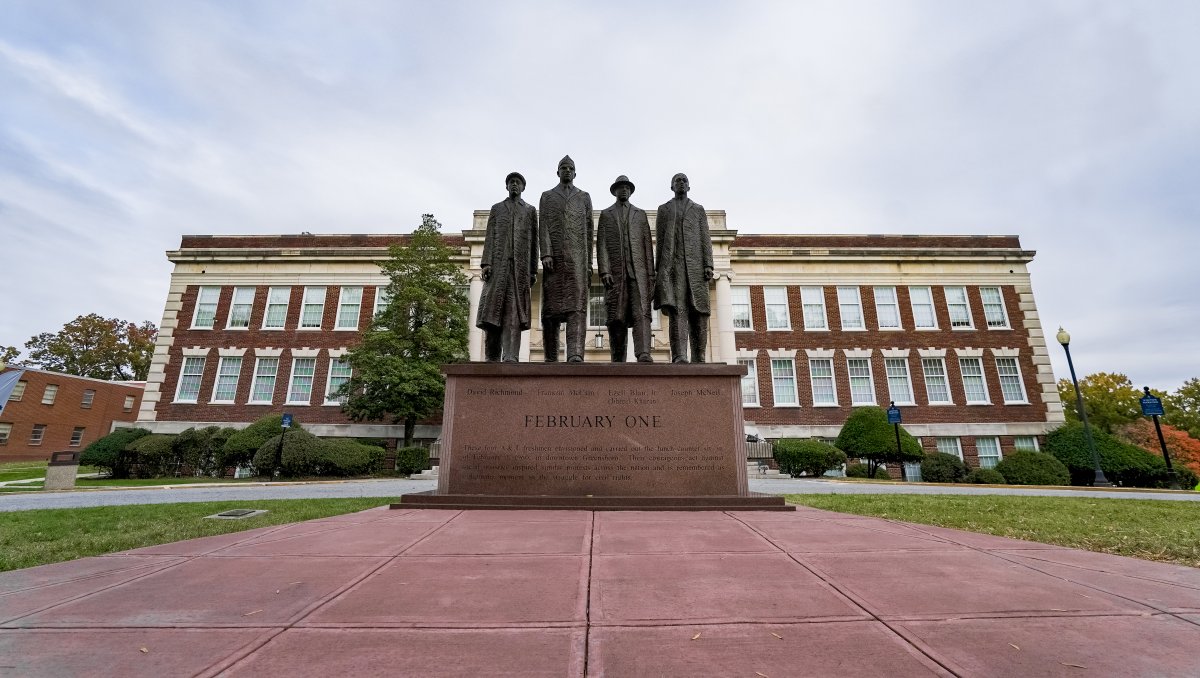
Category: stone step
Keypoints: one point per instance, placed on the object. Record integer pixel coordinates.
(427, 474)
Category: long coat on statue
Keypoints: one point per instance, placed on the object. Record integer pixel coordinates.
(682, 257)
(565, 234)
(614, 258)
(511, 250)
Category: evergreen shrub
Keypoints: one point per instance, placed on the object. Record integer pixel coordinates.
(1026, 467)
(108, 453)
(985, 476)
(813, 457)
(940, 467)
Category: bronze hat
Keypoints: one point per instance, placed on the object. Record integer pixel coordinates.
(622, 180)
(566, 161)
(517, 175)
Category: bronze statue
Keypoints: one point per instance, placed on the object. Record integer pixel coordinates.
(625, 259)
(685, 265)
(510, 261)
(566, 242)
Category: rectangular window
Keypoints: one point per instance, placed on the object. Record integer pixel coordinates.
(899, 385)
(922, 307)
(973, 383)
(129, 401)
(206, 307)
(89, 396)
(597, 312)
(1029, 443)
(783, 379)
(300, 390)
(958, 308)
(18, 392)
(382, 299)
(740, 303)
(339, 373)
(950, 446)
(862, 385)
(263, 388)
(189, 379)
(821, 370)
(749, 382)
(312, 309)
(887, 310)
(1011, 384)
(850, 304)
(937, 387)
(348, 307)
(993, 308)
(228, 371)
(76, 437)
(39, 432)
(988, 450)
(5, 431)
(813, 300)
(49, 394)
(239, 308)
(776, 303)
(278, 299)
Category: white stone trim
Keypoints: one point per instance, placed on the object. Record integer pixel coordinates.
(931, 352)
(858, 352)
(1006, 352)
(747, 353)
(820, 352)
(337, 352)
(895, 352)
(782, 352)
(196, 351)
(969, 352)
(231, 352)
(268, 352)
(306, 352)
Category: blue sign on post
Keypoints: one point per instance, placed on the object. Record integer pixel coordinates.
(287, 420)
(1151, 406)
(893, 415)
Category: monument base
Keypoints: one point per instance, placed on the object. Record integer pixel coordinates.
(433, 500)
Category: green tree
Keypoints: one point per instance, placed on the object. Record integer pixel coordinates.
(868, 435)
(1110, 399)
(1183, 407)
(397, 367)
(9, 354)
(97, 347)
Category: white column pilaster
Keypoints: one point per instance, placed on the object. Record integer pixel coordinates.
(475, 335)
(724, 348)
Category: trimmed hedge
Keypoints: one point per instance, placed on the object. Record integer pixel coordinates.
(1026, 467)
(985, 476)
(153, 456)
(242, 446)
(305, 455)
(108, 453)
(410, 460)
(867, 435)
(348, 457)
(813, 457)
(859, 470)
(940, 467)
(200, 450)
(1123, 464)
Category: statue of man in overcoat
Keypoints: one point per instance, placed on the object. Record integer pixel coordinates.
(509, 264)
(565, 236)
(685, 265)
(625, 260)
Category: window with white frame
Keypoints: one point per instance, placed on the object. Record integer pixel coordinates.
(783, 379)
(1027, 443)
(988, 450)
(263, 388)
(339, 373)
(887, 309)
(129, 401)
(899, 384)
(348, 307)
(300, 390)
(189, 379)
(312, 308)
(5, 432)
(278, 299)
(749, 382)
(974, 385)
(937, 387)
(850, 306)
(206, 308)
(921, 299)
(382, 299)
(1011, 385)
(776, 303)
(18, 392)
(862, 385)
(950, 446)
(89, 396)
(76, 436)
(597, 310)
(239, 308)
(228, 371)
(740, 305)
(993, 308)
(958, 307)
(49, 394)
(813, 300)
(821, 372)
(37, 434)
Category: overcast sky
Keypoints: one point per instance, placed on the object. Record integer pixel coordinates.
(1075, 125)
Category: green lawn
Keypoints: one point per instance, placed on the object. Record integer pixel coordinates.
(1167, 531)
(29, 538)
(21, 470)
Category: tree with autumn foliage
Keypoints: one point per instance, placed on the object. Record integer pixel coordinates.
(98, 347)
(1184, 449)
(1183, 407)
(1111, 400)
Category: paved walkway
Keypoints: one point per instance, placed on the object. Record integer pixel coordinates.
(575, 593)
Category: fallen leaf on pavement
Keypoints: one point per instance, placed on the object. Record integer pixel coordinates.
(143, 650)
(251, 612)
(760, 674)
(1014, 646)
(695, 636)
(1078, 666)
(777, 636)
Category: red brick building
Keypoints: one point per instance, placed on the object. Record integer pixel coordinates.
(51, 412)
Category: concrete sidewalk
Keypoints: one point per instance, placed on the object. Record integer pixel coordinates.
(573, 593)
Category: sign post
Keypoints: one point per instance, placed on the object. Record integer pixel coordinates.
(1152, 407)
(286, 424)
(893, 414)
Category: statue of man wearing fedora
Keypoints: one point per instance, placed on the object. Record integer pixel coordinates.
(509, 263)
(685, 265)
(566, 240)
(625, 259)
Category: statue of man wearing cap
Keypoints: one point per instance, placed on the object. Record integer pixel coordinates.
(509, 263)
(625, 259)
(565, 236)
(685, 265)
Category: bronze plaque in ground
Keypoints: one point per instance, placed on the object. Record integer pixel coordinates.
(601, 430)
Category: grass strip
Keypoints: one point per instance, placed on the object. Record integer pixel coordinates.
(42, 536)
(1165, 531)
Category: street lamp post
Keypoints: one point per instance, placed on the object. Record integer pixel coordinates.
(1065, 339)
